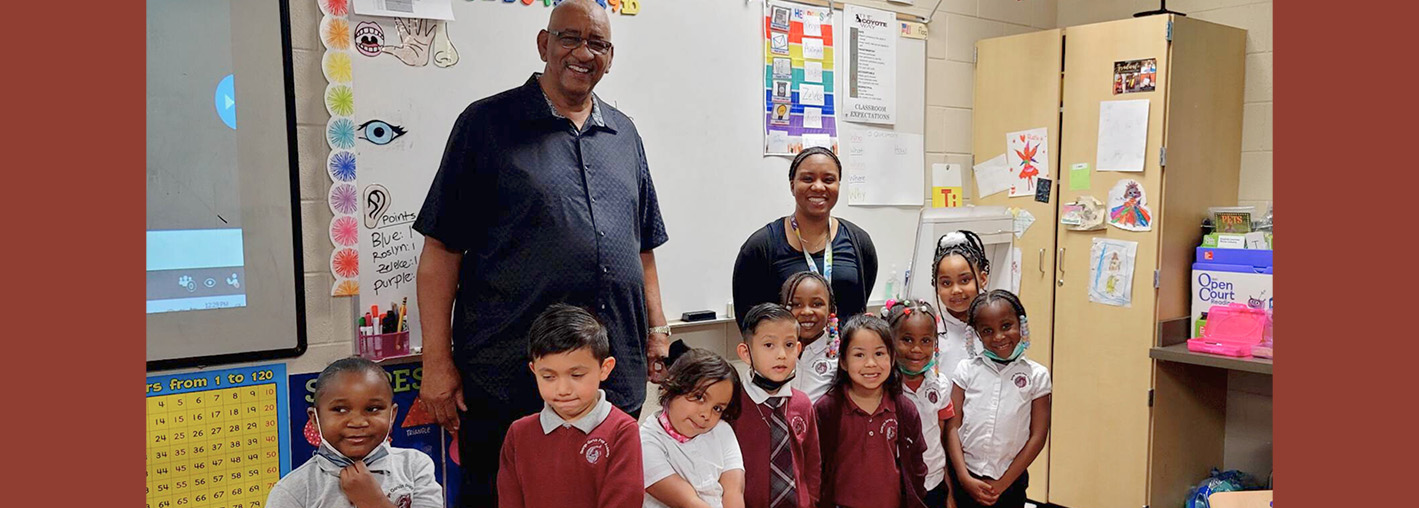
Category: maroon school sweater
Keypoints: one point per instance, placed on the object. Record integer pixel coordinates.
(752, 430)
(833, 409)
(570, 469)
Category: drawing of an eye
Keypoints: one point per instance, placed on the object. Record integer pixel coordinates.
(380, 132)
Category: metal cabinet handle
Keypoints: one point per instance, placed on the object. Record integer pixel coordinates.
(1042, 261)
(1060, 264)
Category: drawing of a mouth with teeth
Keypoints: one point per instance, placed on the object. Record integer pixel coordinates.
(369, 38)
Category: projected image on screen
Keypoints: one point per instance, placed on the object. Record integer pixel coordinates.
(194, 248)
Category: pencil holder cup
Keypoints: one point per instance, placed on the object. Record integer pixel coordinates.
(384, 345)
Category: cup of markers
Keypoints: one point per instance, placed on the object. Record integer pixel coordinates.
(384, 335)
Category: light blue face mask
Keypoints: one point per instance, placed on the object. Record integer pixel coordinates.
(329, 452)
(1019, 348)
(923, 370)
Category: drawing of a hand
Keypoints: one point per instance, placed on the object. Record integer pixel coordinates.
(416, 36)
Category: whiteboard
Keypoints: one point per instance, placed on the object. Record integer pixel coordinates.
(690, 75)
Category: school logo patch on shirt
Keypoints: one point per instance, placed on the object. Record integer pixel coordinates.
(1021, 380)
(889, 428)
(821, 366)
(799, 425)
(933, 395)
(405, 501)
(594, 450)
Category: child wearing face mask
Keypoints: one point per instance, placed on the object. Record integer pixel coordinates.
(355, 466)
(1004, 408)
(690, 452)
(960, 270)
(777, 429)
(913, 325)
(869, 432)
(810, 298)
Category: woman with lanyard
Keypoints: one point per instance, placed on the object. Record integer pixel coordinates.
(801, 242)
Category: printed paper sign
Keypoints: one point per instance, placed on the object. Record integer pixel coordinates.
(946, 186)
(871, 64)
(1135, 76)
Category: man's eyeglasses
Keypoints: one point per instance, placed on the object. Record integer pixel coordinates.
(573, 41)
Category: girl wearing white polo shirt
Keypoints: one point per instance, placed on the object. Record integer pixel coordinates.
(959, 274)
(688, 449)
(1004, 408)
(810, 298)
(913, 325)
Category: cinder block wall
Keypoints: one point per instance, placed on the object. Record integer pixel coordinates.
(951, 69)
(330, 322)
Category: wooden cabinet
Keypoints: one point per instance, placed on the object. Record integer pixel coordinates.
(1110, 447)
(1017, 88)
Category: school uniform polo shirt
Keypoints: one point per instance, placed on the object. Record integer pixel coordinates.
(543, 212)
(755, 440)
(592, 462)
(867, 474)
(995, 421)
(405, 476)
(933, 403)
(957, 342)
(816, 370)
(700, 461)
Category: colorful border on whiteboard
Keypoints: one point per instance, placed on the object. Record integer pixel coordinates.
(336, 36)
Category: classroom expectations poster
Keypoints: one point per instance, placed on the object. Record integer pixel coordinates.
(871, 65)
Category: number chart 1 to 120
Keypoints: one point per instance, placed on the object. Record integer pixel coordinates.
(216, 438)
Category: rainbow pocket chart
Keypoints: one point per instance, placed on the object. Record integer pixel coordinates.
(798, 79)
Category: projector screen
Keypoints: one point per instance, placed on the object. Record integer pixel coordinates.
(223, 239)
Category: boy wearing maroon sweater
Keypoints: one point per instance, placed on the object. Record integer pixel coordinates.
(774, 412)
(580, 451)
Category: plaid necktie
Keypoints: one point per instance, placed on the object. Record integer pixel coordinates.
(782, 493)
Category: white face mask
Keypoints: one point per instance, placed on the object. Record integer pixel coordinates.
(328, 450)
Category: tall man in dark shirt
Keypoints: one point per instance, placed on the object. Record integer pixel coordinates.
(543, 196)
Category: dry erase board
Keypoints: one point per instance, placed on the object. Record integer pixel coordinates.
(689, 74)
(216, 438)
(223, 267)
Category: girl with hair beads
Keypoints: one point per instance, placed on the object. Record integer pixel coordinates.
(1004, 401)
(869, 432)
(689, 451)
(960, 270)
(810, 298)
(913, 324)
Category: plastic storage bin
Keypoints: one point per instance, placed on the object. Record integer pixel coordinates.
(1231, 330)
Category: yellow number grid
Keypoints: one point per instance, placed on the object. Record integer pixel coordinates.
(214, 448)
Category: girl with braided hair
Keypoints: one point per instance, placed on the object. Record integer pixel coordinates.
(809, 297)
(960, 270)
(913, 324)
(1003, 408)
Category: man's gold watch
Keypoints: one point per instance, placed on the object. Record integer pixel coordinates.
(665, 329)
